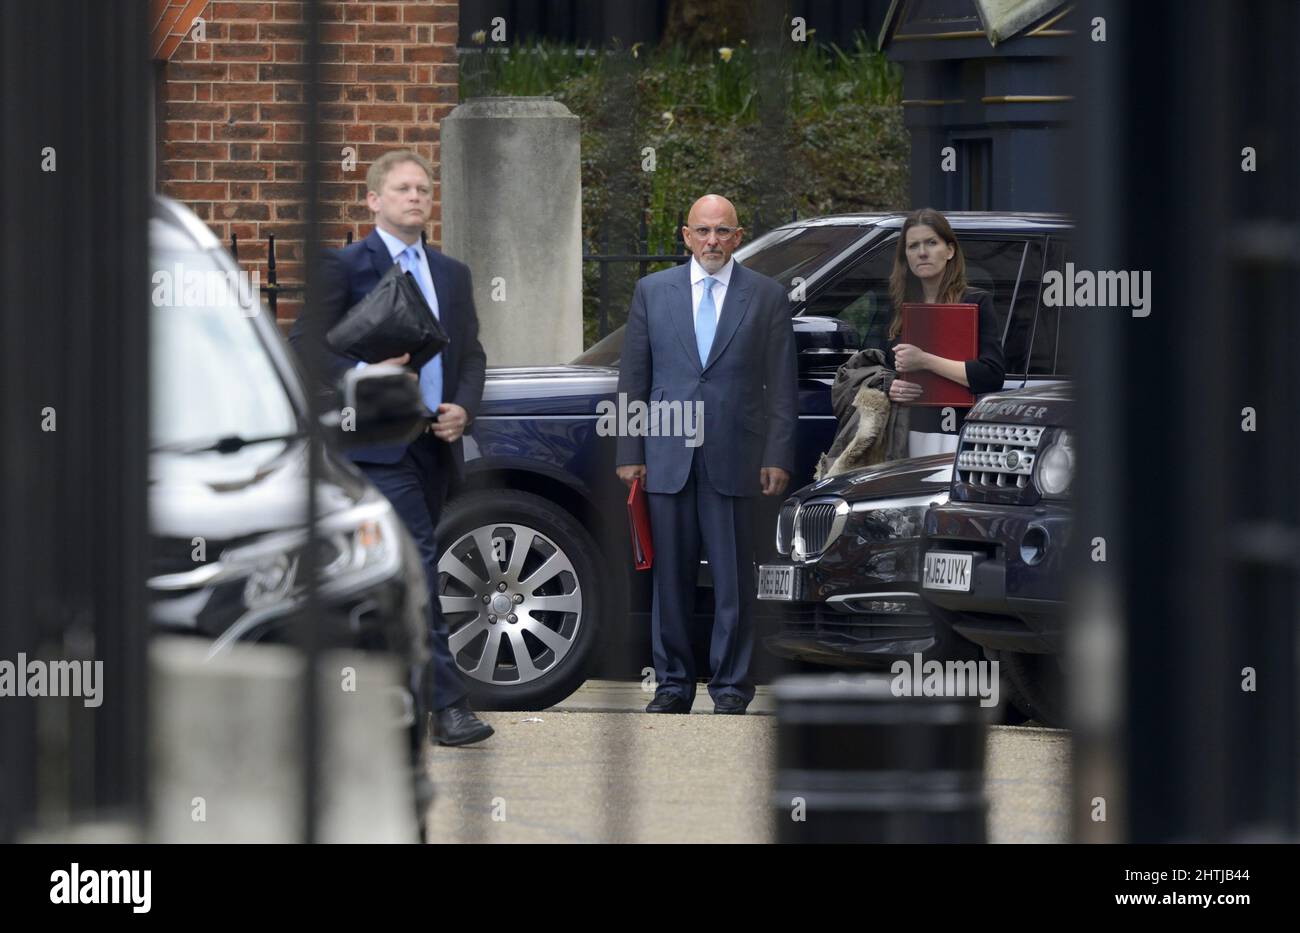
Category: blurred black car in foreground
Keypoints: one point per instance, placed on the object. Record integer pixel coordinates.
(542, 511)
(228, 476)
(994, 565)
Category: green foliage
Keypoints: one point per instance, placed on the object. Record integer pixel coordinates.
(523, 71)
(819, 130)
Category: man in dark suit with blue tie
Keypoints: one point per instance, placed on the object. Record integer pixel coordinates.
(714, 333)
(416, 478)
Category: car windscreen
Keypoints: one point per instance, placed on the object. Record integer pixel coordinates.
(782, 255)
(798, 252)
(211, 375)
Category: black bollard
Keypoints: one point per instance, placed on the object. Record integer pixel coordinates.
(855, 763)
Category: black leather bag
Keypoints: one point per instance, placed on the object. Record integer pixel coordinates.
(393, 319)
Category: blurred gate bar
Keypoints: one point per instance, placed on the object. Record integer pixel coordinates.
(1200, 516)
(312, 619)
(74, 378)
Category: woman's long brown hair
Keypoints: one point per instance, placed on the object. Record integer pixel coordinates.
(903, 283)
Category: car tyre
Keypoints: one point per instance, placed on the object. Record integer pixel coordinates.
(549, 564)
(1038, 686)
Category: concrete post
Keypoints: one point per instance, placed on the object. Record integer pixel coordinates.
(226, 748)
(512, 210)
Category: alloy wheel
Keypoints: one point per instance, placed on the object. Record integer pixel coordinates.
(513, 603)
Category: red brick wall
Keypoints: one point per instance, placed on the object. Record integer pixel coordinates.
(231, 124)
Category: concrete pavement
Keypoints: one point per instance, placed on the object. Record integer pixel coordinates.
(592, 770)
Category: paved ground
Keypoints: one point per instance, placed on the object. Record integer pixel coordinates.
(596, 769)
(617, 696)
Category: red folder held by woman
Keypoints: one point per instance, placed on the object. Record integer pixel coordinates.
(638, 517)
(950, 331)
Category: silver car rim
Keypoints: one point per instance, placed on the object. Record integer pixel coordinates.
(512, 602)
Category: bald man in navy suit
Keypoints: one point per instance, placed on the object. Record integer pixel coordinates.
(716, 335)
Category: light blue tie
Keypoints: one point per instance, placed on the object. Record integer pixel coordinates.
(706, 321)
(431, 372)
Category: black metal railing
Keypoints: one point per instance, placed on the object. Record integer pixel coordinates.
(273, 287)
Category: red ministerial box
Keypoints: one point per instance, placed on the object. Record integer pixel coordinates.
(638, 519)
(950, 331)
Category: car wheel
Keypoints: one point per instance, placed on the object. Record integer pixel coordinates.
(518, 584)
(1038, 686)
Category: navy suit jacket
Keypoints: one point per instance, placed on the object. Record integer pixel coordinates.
(347, 276)
(748, 385)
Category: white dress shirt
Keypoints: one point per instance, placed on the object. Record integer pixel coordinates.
(721, 279)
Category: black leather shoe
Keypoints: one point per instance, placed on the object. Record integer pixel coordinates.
(457, 725)
(666, 701)
(730, 705)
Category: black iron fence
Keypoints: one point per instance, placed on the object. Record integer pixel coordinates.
(609, 284)
(273, 287)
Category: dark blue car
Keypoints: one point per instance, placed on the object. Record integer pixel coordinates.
(536, 573)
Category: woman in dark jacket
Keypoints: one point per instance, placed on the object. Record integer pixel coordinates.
(929, 267)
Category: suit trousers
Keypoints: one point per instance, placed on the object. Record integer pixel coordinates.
(416, 485)
(680, 523)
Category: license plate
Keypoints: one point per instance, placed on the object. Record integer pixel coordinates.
(945, 570)
(776, 581)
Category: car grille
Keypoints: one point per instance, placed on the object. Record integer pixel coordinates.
(998, 456)
(816, 524)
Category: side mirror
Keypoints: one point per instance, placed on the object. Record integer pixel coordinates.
(823, 345)
(381, 406)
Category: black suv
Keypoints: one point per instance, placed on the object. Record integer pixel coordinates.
(994, 566)
(543, 510)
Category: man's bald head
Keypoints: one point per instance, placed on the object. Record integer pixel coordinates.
(713, 205)
(712, 231)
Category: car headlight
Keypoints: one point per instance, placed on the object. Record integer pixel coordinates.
(356, 545)
(938, 497)
(1054, 471)
(269, 581)
(895, 519)
(785, 525)
(352, 549)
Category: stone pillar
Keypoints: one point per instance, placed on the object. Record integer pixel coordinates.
(512, 210)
